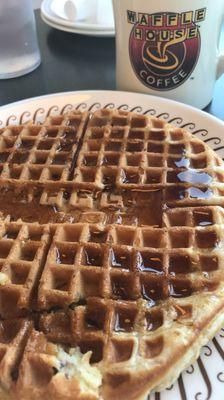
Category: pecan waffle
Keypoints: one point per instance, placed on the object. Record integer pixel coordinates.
(105, 268)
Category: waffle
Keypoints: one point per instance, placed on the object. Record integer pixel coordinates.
(98, 265)
(36, 155)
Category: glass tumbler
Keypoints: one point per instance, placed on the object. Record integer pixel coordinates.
(19, 51)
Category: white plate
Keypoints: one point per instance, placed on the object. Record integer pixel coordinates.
(205, 379)
(82, 26)
(86, 32)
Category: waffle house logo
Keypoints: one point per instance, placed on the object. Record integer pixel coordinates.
(164, 47)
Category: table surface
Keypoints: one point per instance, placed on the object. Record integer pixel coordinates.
(76, 62)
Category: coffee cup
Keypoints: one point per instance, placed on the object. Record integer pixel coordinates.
(169, 48)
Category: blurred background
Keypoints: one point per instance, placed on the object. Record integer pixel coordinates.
(36, 3)
(76, 61)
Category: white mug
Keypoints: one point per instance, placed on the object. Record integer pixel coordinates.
(169, 48)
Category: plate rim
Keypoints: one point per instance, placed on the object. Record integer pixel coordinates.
(82, 26)
(159, 99)
(64, 28)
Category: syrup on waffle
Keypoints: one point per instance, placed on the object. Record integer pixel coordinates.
(33, 158)
(126, 151)
(41, 154)
(117, 153)
(130, 263)
(114, 238)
